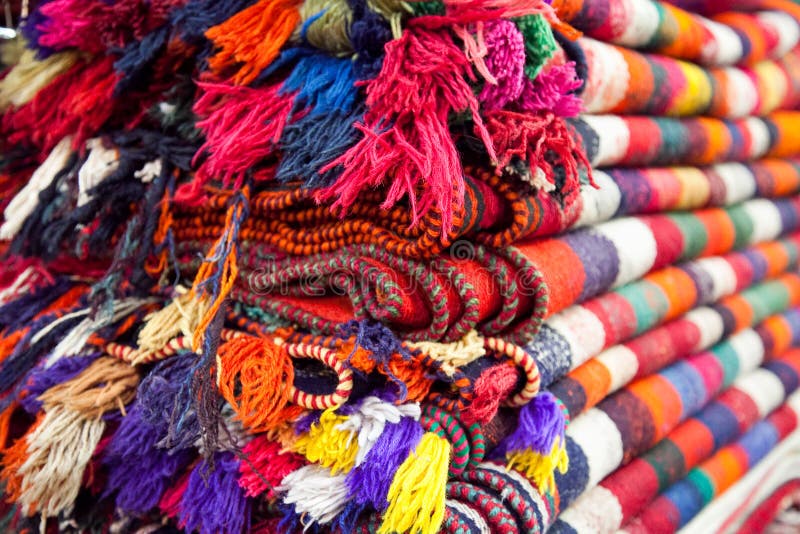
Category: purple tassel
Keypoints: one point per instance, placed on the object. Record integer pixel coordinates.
(166, 398)
(214, 502)
(137, 469)
(541, 422)
(369, 482)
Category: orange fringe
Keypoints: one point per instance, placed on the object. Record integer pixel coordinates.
(255, 376)
(251, 40)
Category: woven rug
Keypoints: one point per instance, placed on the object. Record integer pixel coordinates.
(464, 266)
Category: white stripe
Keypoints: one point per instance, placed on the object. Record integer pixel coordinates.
(599, 439)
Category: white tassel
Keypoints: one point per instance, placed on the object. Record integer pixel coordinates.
(59, 450)
(371, 418)
(456, 354)
(98, 166)
(149, 171)
(316, 495)
(20, 285)
(22, 205)
(74, 342)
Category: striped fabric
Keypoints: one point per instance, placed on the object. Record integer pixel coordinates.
(697, 330)
(751, 398)
(663, 27)
(627, 82)
(682, 501)
(570, 338)
(623, 191)
(611, 140)
(636, 418)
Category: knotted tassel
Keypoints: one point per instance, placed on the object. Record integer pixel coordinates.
(138, 471)
(553, 90)
(180, 317)
(25, 202)
(369, 482)
(417, 493)
(242, 127)
(325, 107)
(328, 446)
(30, 75)
(370, 418)
(313, 494)
(250, 40)
(42, 379)
(77, 103)
(255, 376)
(218, 273)
(543, 142)
(538, 445)
(59, 449)
(213, 501)
(505, 61)
(453, 355)
(424, 79)
(264, 464)
(141, 466)
(491, 388)
(540, 43)
(100, 164)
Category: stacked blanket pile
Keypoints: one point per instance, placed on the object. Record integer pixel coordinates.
(388, 266)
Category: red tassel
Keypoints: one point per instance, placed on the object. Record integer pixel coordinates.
(406, 137)
(242, 126)
(76, 103)
(264, 465)
(532, 138)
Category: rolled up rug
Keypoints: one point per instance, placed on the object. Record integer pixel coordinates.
(698, 330)
(654, 189)
(682, 390)
(573, 336)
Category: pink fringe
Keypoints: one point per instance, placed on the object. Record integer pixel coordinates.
(406, 135)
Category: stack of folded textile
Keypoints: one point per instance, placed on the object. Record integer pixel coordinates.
(388, 266)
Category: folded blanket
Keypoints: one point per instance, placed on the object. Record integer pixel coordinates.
(637, 417)
(662, 27)
(697, 330)
(611, 140)
(494, 291)
(734, 412)
(626, 82)
(494, 211)
(681, 502)
(596, 443)
(654, 189)
(764, 496)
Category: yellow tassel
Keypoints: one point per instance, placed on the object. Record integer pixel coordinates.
(417, 494)
(179, 317)
(328, 446)
(540, 468)
(30, 75)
